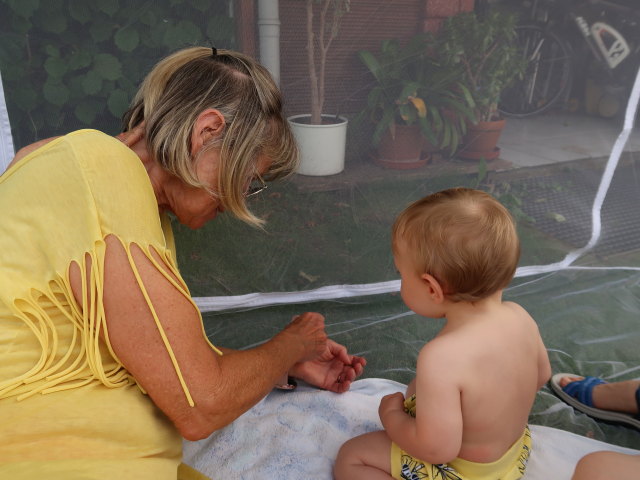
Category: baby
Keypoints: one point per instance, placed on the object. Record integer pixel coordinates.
(465, 414)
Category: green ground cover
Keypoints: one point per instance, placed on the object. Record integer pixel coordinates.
(315, 238)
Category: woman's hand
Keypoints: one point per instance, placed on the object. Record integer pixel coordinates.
(133, 136)
(333, 370)
(307, 331)
(134, 139)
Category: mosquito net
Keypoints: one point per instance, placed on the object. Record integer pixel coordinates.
(568, 171)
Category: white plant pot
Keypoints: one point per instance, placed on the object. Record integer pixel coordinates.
(322, 147)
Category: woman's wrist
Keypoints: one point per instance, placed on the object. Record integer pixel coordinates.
(286, 382)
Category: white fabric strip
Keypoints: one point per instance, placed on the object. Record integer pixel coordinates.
(605, 183)
(255, 300)
(6, 141)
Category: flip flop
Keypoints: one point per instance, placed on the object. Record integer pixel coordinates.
(578, 395)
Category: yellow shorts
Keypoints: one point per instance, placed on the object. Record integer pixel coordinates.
(510, 467)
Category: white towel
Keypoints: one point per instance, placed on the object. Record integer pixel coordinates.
(296, 435)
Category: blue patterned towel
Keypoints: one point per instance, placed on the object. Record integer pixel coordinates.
(296, 435)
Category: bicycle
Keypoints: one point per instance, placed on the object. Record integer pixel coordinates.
(558, 38)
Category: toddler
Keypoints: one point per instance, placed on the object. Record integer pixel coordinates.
(465, 414)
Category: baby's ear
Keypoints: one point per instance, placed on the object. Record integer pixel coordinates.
(434, 289)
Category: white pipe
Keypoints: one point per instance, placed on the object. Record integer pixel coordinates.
(269, 36)
(6, 141)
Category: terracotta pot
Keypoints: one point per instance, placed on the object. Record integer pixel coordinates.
(481, 140)
(403, 150)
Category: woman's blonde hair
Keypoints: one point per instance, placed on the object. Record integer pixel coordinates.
(183, 85)
(464, 238)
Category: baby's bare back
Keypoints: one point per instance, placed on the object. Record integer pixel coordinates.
(500, 364)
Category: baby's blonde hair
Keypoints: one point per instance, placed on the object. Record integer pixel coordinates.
(464, 238)
(183, 85)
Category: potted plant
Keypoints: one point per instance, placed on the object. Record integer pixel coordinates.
(486, 50)
(321, 137)
(415, 101)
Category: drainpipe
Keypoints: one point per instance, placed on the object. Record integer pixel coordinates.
(269, 36)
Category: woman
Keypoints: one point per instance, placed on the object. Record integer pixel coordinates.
(104, 364)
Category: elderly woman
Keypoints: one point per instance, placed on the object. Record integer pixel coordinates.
(104, 364)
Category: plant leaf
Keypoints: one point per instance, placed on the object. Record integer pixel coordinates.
(127, 38)
(55, 93)
(92, 82)
(86, 111)
(79, 11)
(107, 66)
(118, 102)
(420, 106)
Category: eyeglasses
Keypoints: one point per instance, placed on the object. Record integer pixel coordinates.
(255, 187)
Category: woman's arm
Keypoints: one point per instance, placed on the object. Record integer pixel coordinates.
(221, 387)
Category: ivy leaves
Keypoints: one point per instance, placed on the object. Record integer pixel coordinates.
(74, 64)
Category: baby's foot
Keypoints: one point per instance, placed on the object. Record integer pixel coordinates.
(615, 396)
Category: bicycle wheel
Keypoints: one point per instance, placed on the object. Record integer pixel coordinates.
(547, 75)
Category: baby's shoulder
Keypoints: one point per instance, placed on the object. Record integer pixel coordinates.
(519, 326)
(515, 307)
(517, 312)
(445, 349)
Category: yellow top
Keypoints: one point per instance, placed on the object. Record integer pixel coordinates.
(68, 408)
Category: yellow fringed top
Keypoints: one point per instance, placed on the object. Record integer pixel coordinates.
(68, 408)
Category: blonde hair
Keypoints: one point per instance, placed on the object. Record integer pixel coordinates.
(464, 238)
(183, 85)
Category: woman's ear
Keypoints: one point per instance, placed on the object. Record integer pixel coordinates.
(209, 124)
(434, 289)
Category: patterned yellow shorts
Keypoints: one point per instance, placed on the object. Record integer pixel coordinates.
(510, 467)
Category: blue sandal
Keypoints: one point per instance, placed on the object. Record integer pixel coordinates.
(582, 390)
(579, 394)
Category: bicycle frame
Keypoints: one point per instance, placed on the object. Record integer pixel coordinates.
(561, 36)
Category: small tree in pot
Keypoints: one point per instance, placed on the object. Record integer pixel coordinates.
(330, 17)
(321, 138)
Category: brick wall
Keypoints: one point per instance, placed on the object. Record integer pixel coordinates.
(437, 10)
(364, 28)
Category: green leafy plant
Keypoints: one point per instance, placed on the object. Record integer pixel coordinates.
(413, 87)
(485, 49)
(74, 64)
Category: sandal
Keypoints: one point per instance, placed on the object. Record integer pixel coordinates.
(579, 393)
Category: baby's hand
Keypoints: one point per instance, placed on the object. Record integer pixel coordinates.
(411, 389)
(391, 403)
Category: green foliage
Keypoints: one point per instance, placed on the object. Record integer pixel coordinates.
(70, 64)
(410, 86)
(485, 49)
